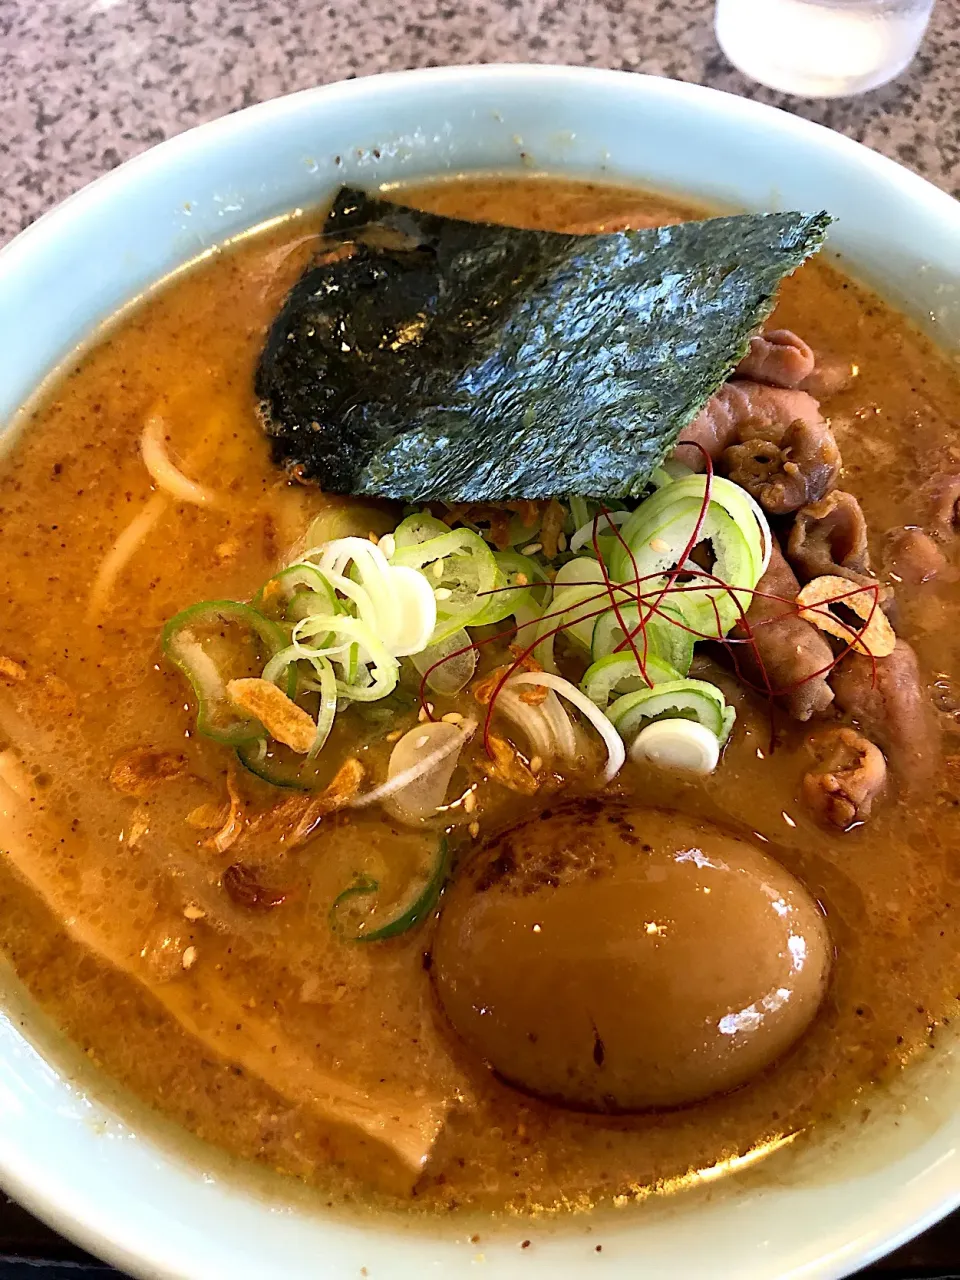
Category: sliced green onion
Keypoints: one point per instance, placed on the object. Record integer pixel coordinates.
(579, 512)
(401, 702)
(303, 604)
(212, 643)
(618, 673)
(356, 593)
(351, 636)
(394, 603)
(658, 545)
(689, 699)
(579, 594)
(667, 638)
(416, 607)
(346, 520)
(583, 537)
(325, 685)
(678, 744)
(421, 527)
(534, 581)
(656, 535)
(286, 668)
(300, 579)
(462, 571)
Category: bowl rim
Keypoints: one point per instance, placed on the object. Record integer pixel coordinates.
(110, 183)
(21, 1175)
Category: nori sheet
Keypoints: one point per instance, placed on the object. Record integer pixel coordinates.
(423, 357)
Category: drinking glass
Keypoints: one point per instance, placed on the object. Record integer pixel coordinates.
(822, 48)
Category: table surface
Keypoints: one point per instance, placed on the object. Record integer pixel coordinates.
(85, 84)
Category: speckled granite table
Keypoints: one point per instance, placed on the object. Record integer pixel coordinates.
(85, 84)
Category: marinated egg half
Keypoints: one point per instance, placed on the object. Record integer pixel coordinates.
(614, 958)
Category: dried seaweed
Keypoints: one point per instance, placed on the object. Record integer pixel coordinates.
(423, 357)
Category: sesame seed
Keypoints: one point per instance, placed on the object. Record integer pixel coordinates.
(443, 593)
(422, 714)
(533, 548)
(437, 569)
(422, 740)
(189, 957)
(522, 580)
(536, 764)
(373, 537)
(452, 717)
(658, 544)
(470, 801)
(193, 912)
(474, 829)
(394, 735)
(562, 542)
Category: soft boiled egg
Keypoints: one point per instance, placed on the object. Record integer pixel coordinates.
(616, 958)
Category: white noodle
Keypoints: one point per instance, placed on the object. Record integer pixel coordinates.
(122, 551)
(163, 473)
(171, 482)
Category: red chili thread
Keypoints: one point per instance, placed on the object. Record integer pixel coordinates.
(652, 602)
(730, 642)
(671, 584)
(697, 528)
(641, 662)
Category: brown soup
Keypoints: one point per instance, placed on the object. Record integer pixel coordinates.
(174, 917)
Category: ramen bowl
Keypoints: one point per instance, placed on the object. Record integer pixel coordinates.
(110, 1176)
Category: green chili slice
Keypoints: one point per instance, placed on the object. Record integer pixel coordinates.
(274, 763)
(295, 592)
(214, 642)
(405, 915)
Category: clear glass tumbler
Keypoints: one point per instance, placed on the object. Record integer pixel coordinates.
(822, 48)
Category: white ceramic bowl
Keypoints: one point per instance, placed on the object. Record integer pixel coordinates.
(122, 1192)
